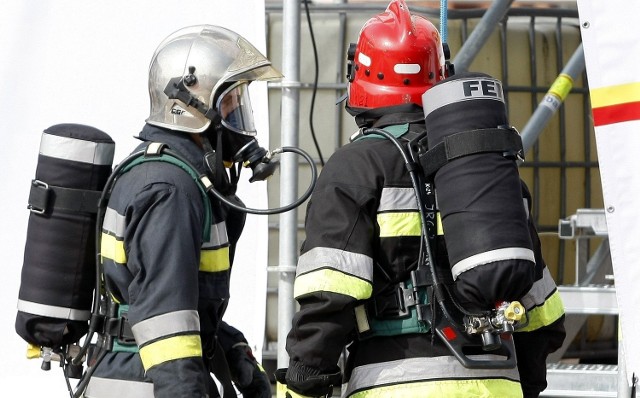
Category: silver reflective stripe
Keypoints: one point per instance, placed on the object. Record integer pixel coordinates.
(114, 223)
(67, 148)
(53, 311)
(421, 369)
(355, 264)
(218, 236)
(461, 90)
(172, 323)
(397, 199)
(526, 206)
(114, 388)
(508, 253)
(540, 290)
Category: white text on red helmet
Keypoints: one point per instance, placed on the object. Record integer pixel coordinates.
(406, 69)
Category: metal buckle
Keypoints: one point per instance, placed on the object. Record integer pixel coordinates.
(39, 184)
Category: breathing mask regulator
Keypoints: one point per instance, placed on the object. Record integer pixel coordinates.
(230, 142)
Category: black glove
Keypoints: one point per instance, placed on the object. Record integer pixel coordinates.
(247, 374)
(300, 381)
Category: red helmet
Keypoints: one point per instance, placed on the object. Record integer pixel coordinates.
(398, 57)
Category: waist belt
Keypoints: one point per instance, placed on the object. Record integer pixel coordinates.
(406, 310)
(119, 329)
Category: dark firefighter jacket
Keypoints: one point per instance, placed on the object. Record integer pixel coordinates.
(175, 284)
(362, 235)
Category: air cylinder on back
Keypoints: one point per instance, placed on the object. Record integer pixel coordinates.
(58, 272)
(479, 195)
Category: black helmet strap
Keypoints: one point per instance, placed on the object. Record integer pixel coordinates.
(176, 89)
(223, 182)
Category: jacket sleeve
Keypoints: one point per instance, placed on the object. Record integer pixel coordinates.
(334, 271)
(163, 240)
(544, 331)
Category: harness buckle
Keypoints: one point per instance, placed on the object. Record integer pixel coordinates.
(38, 197)
(120, 329)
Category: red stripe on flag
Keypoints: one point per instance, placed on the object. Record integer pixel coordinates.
(616, 113)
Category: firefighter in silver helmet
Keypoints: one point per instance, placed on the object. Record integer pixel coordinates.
(171, 287)
(363, 241)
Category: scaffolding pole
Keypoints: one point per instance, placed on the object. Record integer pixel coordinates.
(472, 46)
(553, 99)
(289, 173)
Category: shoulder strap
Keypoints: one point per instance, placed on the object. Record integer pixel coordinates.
(158, 152)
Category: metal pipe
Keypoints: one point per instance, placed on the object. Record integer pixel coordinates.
(480, 34)
(289, 172)
(553, 99)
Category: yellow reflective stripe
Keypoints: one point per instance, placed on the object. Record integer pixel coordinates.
(399, 224)
(546, 314)
(283, 392)
(214, 260)
(177, 347)
(439, 227)
(328, 280)
(446, 388)
(112, 248)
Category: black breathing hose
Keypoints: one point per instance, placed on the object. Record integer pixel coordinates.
(277, 210)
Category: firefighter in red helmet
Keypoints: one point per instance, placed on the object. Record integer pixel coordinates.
(363, 241)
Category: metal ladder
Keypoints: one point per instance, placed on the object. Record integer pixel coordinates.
(581, 300)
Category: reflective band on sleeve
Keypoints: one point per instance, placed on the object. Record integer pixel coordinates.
(432, 377)
(113, 223)
(113, 249)
(356, 264)
(544, 315)
(218, 236)
(77, 150)
(100, 387)
(53, 311)
(541, 289)
(362, 321)
(215, 260)
(398, 199)
(177, 322)
(399, 224)
(327, 280)
(172, 348)
(508, 253)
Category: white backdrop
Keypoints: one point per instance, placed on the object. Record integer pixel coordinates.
(612, 57)
(68, 61)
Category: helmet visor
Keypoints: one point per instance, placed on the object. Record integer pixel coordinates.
(234, 106)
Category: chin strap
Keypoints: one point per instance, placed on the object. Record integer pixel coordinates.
(222, 182)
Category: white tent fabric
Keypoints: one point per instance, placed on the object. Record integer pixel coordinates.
(69, 61)
(610, 34)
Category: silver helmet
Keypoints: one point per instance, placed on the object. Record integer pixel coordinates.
(200, 72)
